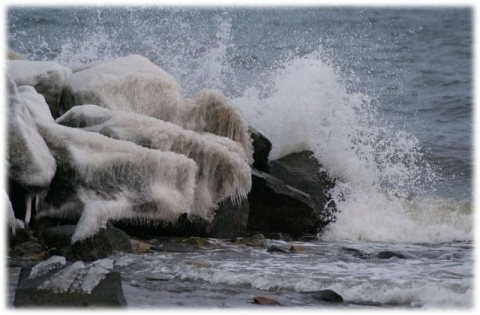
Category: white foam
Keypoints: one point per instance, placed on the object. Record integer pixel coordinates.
(377, 168)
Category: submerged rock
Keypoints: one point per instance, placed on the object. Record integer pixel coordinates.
(389, 254)
(276, 207)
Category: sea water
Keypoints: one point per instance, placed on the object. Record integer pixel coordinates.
(383, 97)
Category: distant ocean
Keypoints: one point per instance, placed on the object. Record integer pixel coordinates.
(383, 97)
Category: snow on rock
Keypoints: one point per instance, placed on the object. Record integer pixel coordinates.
(135, 84)
(99, 178)
(223, 168)
(47, 77)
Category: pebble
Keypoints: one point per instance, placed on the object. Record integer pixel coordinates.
(198, 263)
(297, 249)
(140, 247)
(265, 301)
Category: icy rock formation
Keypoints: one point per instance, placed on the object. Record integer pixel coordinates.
(134, 84)
(47, 77)
(30, 162)
(99, 178)
(78, 277)
(45, 266)
(223, 168)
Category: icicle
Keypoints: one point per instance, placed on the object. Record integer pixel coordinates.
(28, 207)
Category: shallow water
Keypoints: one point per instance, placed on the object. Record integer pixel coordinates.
(230, 275)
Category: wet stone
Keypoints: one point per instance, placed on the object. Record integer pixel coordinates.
(297, 249)
(326, 295)
(175, 248)
(265, 301)
(255, 240)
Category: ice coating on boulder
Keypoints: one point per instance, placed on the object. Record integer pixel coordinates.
(61, 281)
(223, 168)
(114, 179)
(35, 103)
(30, 161)
(76, 278)
(47, 77)
(45, 266)
(134, 84)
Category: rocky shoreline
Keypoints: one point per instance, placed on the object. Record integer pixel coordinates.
(93, 171)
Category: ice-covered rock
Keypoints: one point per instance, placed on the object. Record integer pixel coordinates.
(135, 84)
(223, 168)
(45, 266)
(30, 162)
(79, 284)
(47, 77)
(99, 178)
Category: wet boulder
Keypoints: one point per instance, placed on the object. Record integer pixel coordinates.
(101, 245)
(302, 171)
(261, 150)
(277, 207)
(47, 77)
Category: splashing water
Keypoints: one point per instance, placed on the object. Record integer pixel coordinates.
(305, 101)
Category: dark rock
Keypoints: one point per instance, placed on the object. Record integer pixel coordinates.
(100, 245)
(279, 236)
(21, 236)
(175, 248)
(389, 254)
(58, 236)
(33, 292)
(326, 295)
(230, 221)
(31, 250)
(265, 301)
(261, 150)
(302, 171)
(277, 249)
(255, 240)
(276, 207)
(355, 252)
